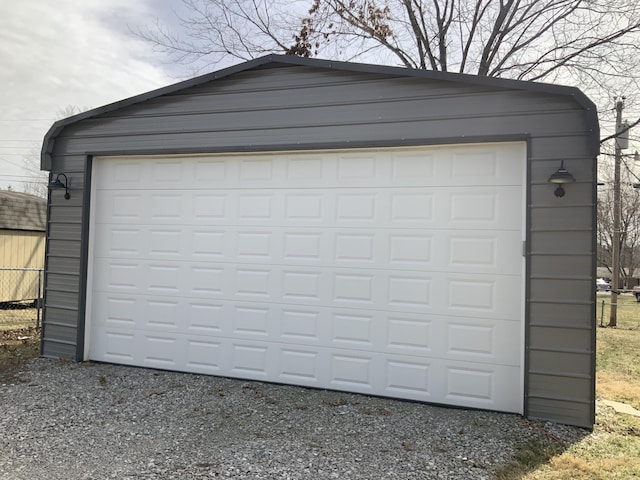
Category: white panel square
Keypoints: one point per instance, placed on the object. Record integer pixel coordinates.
(163, 279)
(254, 207)
(409, 334)
(209, 206)
(166, 171)
(166, 206)
(125, 207)
(207, 244)
(120, 311)
(354, 329)
(249, 359)
(303, 207)
(300, 364)
(411, 207)
(210, 170)
(353, 288)
(254, 245)
(164, 242)
(357, 167)
(206, 281)
(118, 346)
(304, 168)
(127, 172)
(351, 370)
(256, 169)
(204, 317)
(203, 355)
(301, 285)
(470, 339)
(473, 251)
(474, 164)
(356, 207)
(162, 313)
(412, 249)
(160, 351)
(253, 283)
(122, 276)
(474, 207)
(251, 320)
(299, 324)
(302, 246)
(472, 295)
(413, 167)
(471, 383)
(409, 291)
(124, 241)
(407, 377)
(354, 247)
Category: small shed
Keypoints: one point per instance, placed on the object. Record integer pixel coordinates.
(23, 220)
(363, 228)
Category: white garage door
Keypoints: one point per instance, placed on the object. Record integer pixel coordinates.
(394, 272)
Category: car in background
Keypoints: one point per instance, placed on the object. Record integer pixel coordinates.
(603, 286)
(636, 292)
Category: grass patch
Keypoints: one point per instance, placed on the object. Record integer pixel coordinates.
(16, 348)
(528, 457)
(612, 451)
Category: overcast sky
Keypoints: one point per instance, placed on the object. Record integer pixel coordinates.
(69, 52)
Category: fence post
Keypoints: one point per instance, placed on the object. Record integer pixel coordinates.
(39, 299)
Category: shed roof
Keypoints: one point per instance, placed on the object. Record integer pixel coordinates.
(21, 211)
(271, 61)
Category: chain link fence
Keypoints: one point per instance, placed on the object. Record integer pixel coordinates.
(21, 297)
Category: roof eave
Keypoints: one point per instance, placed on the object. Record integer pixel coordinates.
(579, 97)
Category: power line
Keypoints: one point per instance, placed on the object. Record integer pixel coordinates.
(5, 176)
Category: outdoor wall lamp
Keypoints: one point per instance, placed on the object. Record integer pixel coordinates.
(58, 183)
(560, 177)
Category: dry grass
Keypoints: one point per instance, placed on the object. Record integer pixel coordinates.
(16, 347)
(612, 451)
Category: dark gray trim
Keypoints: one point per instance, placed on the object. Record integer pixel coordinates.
(594, 317)
(84, 262)
(286, 60)
(318, 146)
(46, 267)
(527, 282)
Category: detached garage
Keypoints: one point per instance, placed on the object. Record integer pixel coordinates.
(370, 229)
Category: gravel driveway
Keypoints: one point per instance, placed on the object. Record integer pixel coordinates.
(94, 421)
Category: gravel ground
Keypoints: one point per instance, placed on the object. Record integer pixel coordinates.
(95, 421)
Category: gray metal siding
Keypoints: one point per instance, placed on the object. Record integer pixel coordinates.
(299, 107)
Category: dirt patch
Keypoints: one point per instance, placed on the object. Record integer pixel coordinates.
(16, 348)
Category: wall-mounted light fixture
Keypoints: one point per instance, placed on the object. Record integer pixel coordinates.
(59, 183)
(560, 177)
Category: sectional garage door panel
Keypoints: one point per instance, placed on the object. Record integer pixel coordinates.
(394, 272)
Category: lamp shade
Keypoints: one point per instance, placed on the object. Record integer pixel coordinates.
(561, 175)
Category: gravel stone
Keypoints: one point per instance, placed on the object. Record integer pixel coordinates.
(98, 421)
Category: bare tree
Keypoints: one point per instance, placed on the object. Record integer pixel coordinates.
(522, 39)
(629, 220)
(594, 44)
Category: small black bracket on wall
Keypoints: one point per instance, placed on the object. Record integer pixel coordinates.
(59, 183)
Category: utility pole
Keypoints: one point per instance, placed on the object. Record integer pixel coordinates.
(615, 281)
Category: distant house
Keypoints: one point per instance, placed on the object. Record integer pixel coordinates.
(23, 220)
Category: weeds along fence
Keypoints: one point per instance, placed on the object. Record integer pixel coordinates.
(628, 309)
(21, 297)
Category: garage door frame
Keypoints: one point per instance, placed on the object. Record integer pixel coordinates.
(524, 276)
